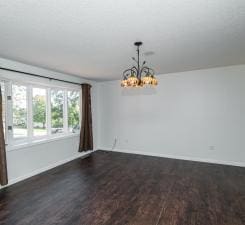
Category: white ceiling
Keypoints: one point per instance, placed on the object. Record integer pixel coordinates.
(94, 38)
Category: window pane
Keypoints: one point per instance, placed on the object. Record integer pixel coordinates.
(73, 111)
(39, 111)
(19, 111)
(57, 103)
(3, 105)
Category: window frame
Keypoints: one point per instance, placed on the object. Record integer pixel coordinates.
(14, 143)
(80, 108)
(4, 97)
(17, 141)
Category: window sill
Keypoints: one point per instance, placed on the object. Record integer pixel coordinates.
(39, 141)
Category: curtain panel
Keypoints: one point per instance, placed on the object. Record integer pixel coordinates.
(3, 163)
(86, 135)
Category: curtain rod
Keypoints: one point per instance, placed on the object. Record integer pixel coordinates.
(37, 75)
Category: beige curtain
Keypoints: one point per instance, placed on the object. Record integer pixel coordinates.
(3, 163)
(86, 135)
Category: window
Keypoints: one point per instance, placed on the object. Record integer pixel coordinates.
(19, 94)
(73, 111)
(3, 105)
(39, 111)
(57, 111)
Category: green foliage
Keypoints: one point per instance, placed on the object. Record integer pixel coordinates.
(73, 109)
(19, 106)
(39, 110)
(57, 98)
(19, 117)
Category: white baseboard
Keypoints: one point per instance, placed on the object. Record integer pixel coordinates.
(43, 169)
(214, 161)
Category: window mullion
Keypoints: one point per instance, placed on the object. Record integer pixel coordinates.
(9, 113)
(48, 108)
(29, 113)
(80, 108)
(65, 112)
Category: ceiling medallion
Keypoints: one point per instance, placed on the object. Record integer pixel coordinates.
(140, 75)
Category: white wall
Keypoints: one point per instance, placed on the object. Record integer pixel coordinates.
(27, 161)
(185, 115)
(197, 115)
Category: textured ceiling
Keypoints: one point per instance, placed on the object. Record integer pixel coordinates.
(94, 38)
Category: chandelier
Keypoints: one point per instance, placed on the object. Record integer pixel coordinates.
(140, 75)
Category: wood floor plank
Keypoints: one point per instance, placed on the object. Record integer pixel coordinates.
(116, 189)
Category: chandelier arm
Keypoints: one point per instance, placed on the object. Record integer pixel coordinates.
(125, 72)
(134, 69)
(143, 64)
(147, 70)
(152, 71)
(144, 69)
(135, 60)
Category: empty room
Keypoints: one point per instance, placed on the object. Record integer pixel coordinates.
(127, 112)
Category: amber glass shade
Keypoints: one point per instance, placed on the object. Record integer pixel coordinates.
(154, 81)
(133, 81)
(147, 80)
(124, 83)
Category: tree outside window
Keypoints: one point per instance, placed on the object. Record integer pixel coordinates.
(39, 111)
(57, 116)
(73, 111)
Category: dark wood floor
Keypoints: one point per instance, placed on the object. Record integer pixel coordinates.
(115, 188)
